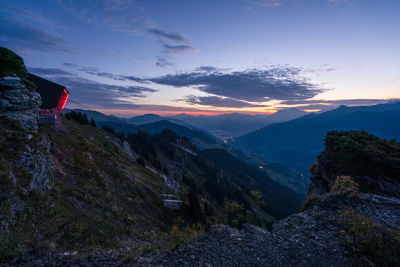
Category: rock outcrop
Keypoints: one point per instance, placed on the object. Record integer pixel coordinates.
(344, 221)
(124, 146)
(37, 162)
(19, 103)
(24, 156)
(372, 162)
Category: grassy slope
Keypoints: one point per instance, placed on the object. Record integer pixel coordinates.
(100, 197)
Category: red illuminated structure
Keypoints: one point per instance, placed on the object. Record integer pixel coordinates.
(54, 98)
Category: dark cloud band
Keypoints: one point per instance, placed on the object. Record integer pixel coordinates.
(217, 101)
(278, 83)
(22, 36)
(93, 93)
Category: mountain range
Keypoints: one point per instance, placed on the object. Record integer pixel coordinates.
(296, 143)
(235, 124)
(222, 126)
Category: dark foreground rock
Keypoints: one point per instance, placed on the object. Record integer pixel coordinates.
(253, 246)
(54, 257)
(315, 237)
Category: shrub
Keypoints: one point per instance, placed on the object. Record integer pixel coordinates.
(108, 129)
(235, 214)
(361, 153)
(79, 117)
(258, 197)
(93, 122)
(346, 184)
(11, 64)
(310, 202)
(178, 236)
(370, 239)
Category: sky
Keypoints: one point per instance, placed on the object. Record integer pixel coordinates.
(131, 57)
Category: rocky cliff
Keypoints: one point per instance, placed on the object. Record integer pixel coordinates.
(24, 156)
(351, 216)
(18, 100)
(19, 103)
(372, 162)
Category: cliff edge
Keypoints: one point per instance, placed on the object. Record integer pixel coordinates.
(351, 216)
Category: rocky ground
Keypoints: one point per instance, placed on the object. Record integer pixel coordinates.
(314, 237)
(54, 257)
(253, 246)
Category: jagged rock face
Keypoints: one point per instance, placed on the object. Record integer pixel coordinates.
(19, 103)
(126, 147)
(323, 177)
(23, 105)
(373, 162)
(37, 162)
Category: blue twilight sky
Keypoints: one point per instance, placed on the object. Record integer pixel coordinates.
(129, 57)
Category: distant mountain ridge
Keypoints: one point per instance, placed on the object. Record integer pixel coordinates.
(136, 120)
(235, 124)
(92, 114)
(194, 135)
(222, 126)
(297, 142)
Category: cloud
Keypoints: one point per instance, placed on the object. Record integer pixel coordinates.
(169, 36)
(325, 105)
(15, 9)
(117, 15)
(129, 17)
(50, 71)
(347, 102)
(322, 69)
(22, 36)
(342, 2)
(267, 3)
(217, 101)
(93, 93)
(275, 3)
(70, 65)
(255, 85)
(163, 62)
(177, 48)
(207, 69)
(96, 72)
(134, 78)
(210, 69)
